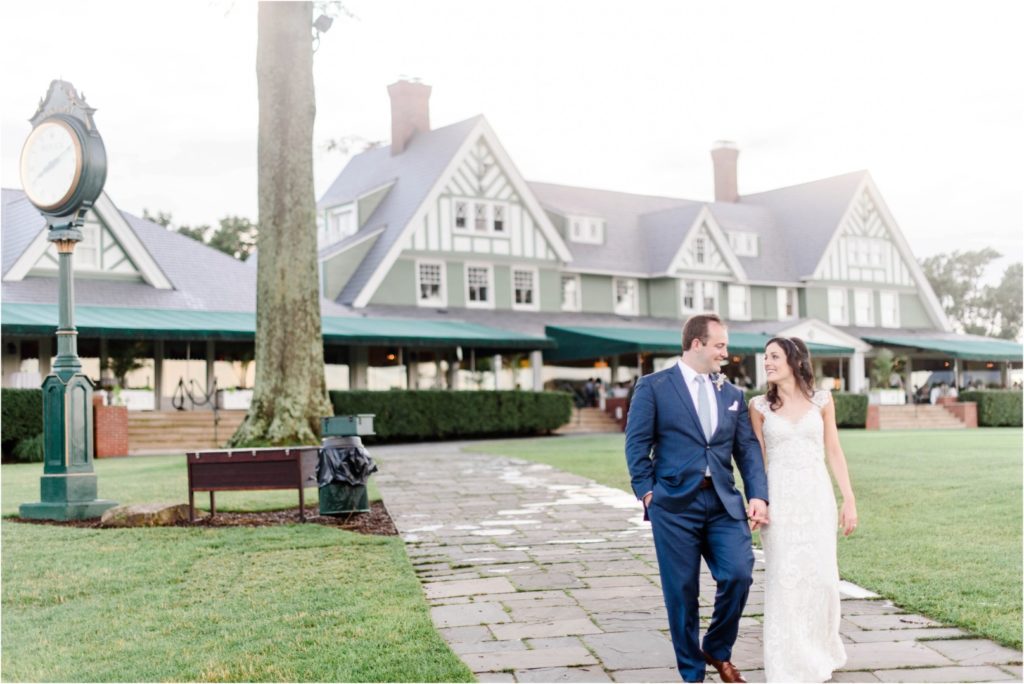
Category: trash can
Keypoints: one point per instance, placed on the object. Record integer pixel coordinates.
(344, 465)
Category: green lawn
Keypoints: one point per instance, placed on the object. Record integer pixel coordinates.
(289, 603)
(940, 516)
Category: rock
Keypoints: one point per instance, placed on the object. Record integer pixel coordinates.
(145, 515)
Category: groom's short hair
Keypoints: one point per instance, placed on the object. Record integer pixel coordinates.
(696, 328)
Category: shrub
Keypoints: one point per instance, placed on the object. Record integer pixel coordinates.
(420, 415)
(996, 408)
(29, 450)
(851, 409)
(21, 416)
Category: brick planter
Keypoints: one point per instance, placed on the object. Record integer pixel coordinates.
(110, 430)
(965, 411)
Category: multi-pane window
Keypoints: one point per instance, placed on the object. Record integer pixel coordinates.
(87, 253)
(480, 216)
(524, 288)
(430, 277)
(863, 307)
(570, 293)
(787, 303)
(837, 314)
(743, 243)
(889, 303)
(698, 250)
(688, 290)
(478, 286)
(710, 295)
(626, 297)
(739, 302)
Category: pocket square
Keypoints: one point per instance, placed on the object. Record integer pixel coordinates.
(735, 406)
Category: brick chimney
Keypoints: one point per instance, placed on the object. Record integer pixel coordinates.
(410, 112)
(723, 156)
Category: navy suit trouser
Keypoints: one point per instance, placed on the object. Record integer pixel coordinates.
(703, 529)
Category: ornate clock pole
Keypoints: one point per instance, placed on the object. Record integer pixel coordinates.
(63, 169)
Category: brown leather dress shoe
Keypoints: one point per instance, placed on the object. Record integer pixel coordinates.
(726, 670)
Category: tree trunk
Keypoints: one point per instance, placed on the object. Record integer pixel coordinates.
(290, 394)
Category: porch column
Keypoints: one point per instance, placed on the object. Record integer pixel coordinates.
(158, 375)
(358, 361)
(453, 372)
(411, 372)
(614, 363)
(104, 355)
(45, 353)
(956, 374)
(760, 378)
(908, 387)
(211, 358)
(496, 367)
(1004, 375)
(438, 372)
(857, 372)
(537, 366)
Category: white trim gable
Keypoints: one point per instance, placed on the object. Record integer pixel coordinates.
(480, 132)
(127, 241)
(718, 258)
(868, 217)
(813, 330)
(130, 243)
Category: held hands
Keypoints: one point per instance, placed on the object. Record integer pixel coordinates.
(848, 517)
(647, 499)
(757, 512)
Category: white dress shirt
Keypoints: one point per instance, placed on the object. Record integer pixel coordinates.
(690, 378)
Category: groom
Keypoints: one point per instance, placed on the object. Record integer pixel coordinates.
(685, 426)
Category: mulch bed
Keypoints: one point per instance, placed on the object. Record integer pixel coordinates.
(376, 522)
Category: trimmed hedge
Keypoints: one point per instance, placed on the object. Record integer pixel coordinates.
(21, 417)
(997, 408)
(422, 415)
(851, 409)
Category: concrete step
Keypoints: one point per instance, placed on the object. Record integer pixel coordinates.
(589, 420)
(917, 417)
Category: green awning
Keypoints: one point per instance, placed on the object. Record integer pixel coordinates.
(967, 347)
(578, 343)
(118, 322)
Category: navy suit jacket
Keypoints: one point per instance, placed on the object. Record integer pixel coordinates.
(667, 451)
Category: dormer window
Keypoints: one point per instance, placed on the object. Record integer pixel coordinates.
(588, 230)
(480, 222)
(698, 250)
(743, 243)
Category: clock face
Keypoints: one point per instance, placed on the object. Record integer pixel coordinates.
(51, 164)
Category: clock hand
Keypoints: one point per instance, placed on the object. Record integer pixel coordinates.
(51, 164)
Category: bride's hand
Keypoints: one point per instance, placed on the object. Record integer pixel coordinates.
(848, 518)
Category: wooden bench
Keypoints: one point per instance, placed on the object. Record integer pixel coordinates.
(223, 470)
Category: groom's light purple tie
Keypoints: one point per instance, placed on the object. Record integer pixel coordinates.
(703, 406)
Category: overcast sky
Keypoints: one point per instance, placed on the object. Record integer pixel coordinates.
(626, 96)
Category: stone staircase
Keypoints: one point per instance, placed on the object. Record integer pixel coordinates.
(917, 417)
(588, 420)
(169, 432)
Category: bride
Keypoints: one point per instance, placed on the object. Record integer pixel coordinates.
(797, 430)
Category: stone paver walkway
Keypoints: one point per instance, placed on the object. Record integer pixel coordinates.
(536, 575)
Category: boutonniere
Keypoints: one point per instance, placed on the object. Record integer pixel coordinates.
(719, 380)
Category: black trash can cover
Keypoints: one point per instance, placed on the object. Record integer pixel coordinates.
(344, 460)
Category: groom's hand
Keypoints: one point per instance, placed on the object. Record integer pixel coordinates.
(757, 512)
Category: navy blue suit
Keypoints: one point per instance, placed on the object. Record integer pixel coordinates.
(667, 453)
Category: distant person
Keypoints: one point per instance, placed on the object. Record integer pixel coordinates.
(600, 392)
(589, 392)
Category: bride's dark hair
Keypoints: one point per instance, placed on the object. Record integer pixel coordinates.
(799, 359)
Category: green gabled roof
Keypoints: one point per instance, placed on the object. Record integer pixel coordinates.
(576, 343)
(123, 322)
(967, 347)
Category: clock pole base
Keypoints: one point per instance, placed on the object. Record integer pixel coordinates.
(72, 510)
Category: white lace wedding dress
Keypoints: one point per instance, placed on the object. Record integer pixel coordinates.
(801, 593)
